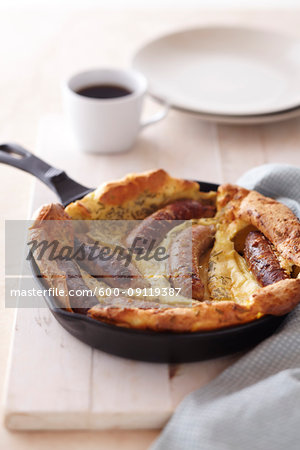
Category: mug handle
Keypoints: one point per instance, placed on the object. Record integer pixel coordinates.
(157, 117)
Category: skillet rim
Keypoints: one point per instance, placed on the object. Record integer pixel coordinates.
(49, 298)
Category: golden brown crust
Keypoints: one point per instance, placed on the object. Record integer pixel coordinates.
(43, 230)
(52, 211)
(276, 299)
(230, 193)
(118, 192)
(135, 196)
(276, 221)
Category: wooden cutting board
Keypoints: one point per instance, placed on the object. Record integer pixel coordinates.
(55, 381)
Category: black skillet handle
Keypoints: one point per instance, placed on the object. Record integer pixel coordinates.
(65, 188)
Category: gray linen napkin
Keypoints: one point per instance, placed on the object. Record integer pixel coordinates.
(255, 403)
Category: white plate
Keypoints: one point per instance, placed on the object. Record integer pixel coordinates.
(224, 70)
(249, 120)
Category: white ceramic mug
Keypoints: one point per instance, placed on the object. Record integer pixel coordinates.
(107, 125)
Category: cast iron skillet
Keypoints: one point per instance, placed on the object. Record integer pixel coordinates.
(134, 344)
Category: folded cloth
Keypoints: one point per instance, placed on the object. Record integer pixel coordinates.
(255, 403)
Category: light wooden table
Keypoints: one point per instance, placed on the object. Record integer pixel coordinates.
(38, 48)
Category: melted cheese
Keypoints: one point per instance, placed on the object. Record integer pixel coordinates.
(228, 275)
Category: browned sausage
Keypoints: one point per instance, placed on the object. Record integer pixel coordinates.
(151, 231)
(185, 252)
(82, 301)
(116, 272)
(262, 259)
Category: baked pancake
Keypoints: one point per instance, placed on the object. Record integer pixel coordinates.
(231, 256)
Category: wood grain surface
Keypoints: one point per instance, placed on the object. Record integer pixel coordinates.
(40, 47)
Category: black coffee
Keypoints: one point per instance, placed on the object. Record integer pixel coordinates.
(104, 91)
